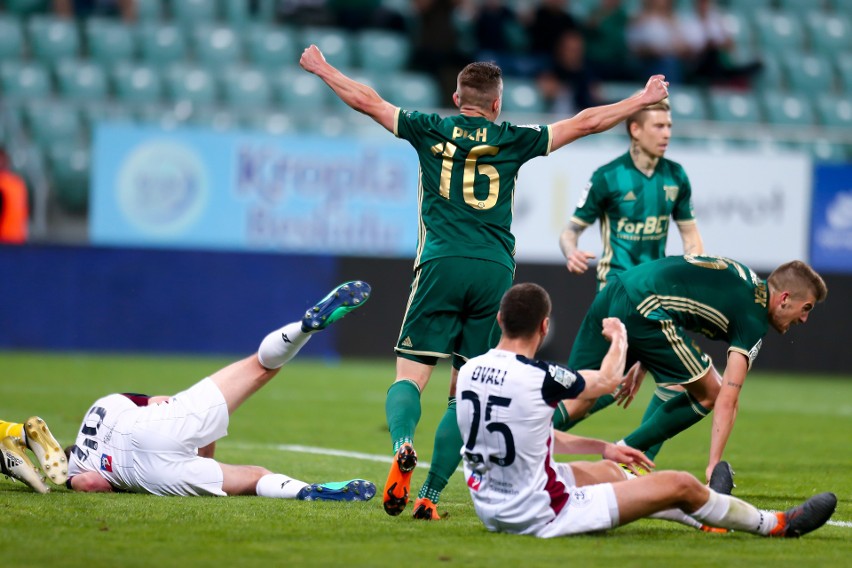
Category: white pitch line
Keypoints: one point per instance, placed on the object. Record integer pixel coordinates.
(376, 458)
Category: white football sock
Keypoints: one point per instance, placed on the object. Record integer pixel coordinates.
(282, 345)
(278, 486)
(729, 512)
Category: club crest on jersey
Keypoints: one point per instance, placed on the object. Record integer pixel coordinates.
(671, 192)
(562, 375)
(106, 462)
(474, 481)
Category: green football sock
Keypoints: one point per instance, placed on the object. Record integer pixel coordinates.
(402, 409)
(672, 417)
(661, 395)
(446, 455)
(561, 420)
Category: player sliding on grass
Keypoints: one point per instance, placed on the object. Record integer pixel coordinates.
(34, 435)
(164, 445)
(506, 405)
(469, 166)
(660, 302)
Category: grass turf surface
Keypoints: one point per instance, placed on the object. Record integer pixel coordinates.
(792, 440)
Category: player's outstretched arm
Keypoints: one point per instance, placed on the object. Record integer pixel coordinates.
(357, 95)
(611, 373)
(576, 260)
(600, 118)
(725, 409)
(691, 237)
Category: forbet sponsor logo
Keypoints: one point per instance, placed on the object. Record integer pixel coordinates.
(650, 226)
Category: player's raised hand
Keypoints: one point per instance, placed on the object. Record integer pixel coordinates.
(656, 89)
(312, 59)
(632, 381)
(578, 262)
(613, 329)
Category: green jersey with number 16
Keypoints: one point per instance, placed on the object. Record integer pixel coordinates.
(468, 171)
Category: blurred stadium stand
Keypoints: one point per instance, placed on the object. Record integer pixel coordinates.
(220, 63)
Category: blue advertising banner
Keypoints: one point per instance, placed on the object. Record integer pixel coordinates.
(196, 188)
(831, 222)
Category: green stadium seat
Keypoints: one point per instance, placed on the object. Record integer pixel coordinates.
(52, 39)
(687, 104)
(382, 51)
(612, 92)
(834, 110)
(741, 30)
(109, 41)
(214, 118)
(163, 116)
(829, 33)
(800, 8)
(271, 47)
(161, 44)
(69, 169)
(521, 96)
(26, 7)
(844, 72)
(191, 84)
(11, 38)
(790, 109)
(749, 6)
(236, 14)
(267, 121)
(190, 13)
(807, 73)
(335, 44)
(779, 32)
(770, 78)
(734, 107)
(412, 91)
(216, 46)
(300, 92)
(149, 11)
(245, 88)
(841, 6)
(93, 114)
(21, 81)
(80, 80)
(136, 83)
(53, 123)
(823, 150)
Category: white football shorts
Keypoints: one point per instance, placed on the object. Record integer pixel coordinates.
(166, 438)
(589, 509)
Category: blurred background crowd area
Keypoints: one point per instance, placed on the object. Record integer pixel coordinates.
(775, 75)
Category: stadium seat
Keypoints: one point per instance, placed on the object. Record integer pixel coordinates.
(826, 151)
(770, 78)
(271, 47)
(844, 72)
(236, 14)
(136, 83)
(214, 118)
(687, 104)
(382, 51)
(93, 114)
(612, 92)
(778, 32)
(149, 11)
(301, 92)
(80, 80)
(790, 109)
(841, 6)
(11, 38)
(161, 44)
(109, 41)
(24, 81)
(834, 110)
(26, 7)
(800, 8)
(521, 96)
(245, 88)
(216, 46)
(412, 91)
(734, 107)
(741, 30)
(829, 33)
(190, 13)
(191, 84)
(807, 73)
(749, 6)
(53, 123)
(52, 38)
(335, 44)
(69, 168)
(268, 121)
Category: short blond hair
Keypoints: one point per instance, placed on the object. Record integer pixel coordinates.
(639, 116)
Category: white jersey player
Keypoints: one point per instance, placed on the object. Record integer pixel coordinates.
(164, 445)
(505, 415)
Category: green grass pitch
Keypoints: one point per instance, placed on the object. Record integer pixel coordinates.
(793, 439)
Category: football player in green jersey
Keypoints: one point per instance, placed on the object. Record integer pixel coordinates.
(720, 298)
(465, 253)
(633, 197)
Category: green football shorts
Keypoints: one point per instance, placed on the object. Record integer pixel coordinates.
(452, 310)
(663, 347)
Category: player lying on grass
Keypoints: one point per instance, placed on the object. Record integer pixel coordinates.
(507, 401)
(16, 438)
(164, 445)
